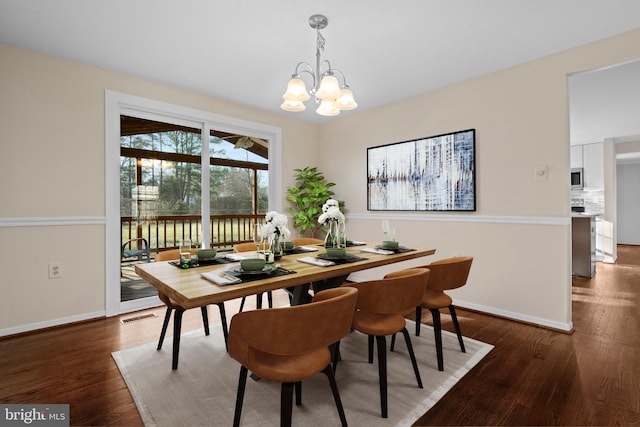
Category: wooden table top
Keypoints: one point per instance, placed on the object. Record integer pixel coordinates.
(187, 288)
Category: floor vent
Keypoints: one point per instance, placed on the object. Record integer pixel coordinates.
(133, 319)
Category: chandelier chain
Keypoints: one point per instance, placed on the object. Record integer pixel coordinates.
(321, 41)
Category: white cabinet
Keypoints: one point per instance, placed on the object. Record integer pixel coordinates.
(593, 164)
(576, 156)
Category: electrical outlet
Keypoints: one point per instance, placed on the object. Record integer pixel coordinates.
(55, 270)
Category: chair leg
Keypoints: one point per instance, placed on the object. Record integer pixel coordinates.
(165, 324)
(270, 299)
(242, 382)
(437, 332)
(258, 301)
(242, 304)
(177, 326)
(336, 394)
(286, 404)
(418, 320)
(454, 318)
(205, 319)
(223, 321)
(371, 348)
(335, 355)
(412, 355)
(298, 388)
(393, 342)
(382, 373)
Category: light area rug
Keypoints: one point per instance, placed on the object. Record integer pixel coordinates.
(202, 391)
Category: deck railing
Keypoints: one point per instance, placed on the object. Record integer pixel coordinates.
(165, 232)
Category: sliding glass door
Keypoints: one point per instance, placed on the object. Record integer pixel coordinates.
(181, 174)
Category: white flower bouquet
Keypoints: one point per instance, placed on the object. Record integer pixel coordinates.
(334, 219)
(276, 226)
(331, 212)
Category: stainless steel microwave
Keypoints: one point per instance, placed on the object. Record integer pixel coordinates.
(577, 178)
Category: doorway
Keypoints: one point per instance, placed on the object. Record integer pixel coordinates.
(604, 105)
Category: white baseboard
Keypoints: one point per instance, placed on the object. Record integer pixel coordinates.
(51, 323)
(565, 327)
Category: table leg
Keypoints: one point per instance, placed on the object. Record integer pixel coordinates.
(177, 326)
(300, 294)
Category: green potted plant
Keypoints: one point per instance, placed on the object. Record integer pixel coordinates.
(308, 195)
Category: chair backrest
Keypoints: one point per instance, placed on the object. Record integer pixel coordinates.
(398, 292)
(297, 329)
(302, 241)
(449, 273)
(248, 247)
(170, 255)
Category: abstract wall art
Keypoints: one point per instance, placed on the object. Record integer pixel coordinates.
(436, 173)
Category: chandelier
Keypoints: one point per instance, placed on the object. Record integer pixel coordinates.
(330, 96)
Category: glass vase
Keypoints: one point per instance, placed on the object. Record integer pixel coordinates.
(276, 246)
(336, 236)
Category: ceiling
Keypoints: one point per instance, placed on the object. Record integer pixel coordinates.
(245, 50)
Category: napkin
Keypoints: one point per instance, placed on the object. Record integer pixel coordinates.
(220, 277)
(235, 257)
(377, 251)
(316, 261)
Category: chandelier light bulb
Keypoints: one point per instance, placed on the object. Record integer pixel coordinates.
(329, 88)
(294, 106)
(296, 90)
(328, 108)
(345, 101)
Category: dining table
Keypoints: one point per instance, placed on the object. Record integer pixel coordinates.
(188, 288)
(221, 279)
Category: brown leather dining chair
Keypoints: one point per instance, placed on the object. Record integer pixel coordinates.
(380, 312)
(248, 247)
(303, 241)
(290, 344)
(449, 273)
(172, 306)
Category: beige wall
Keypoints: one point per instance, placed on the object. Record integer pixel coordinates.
(627, 147)
(520, 234)
(52, 167)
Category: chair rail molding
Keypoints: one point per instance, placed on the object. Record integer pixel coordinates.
(533, 220)
(52, 221)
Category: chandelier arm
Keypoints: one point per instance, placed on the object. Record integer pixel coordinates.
(308, 69)
(303, 64)
(313, 79)
(344, 79)
(328, 71)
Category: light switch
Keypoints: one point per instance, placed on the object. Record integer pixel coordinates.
(541, 172)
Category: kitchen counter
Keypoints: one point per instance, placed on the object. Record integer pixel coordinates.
(583, 244)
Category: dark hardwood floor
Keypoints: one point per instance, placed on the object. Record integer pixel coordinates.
(534, 376)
